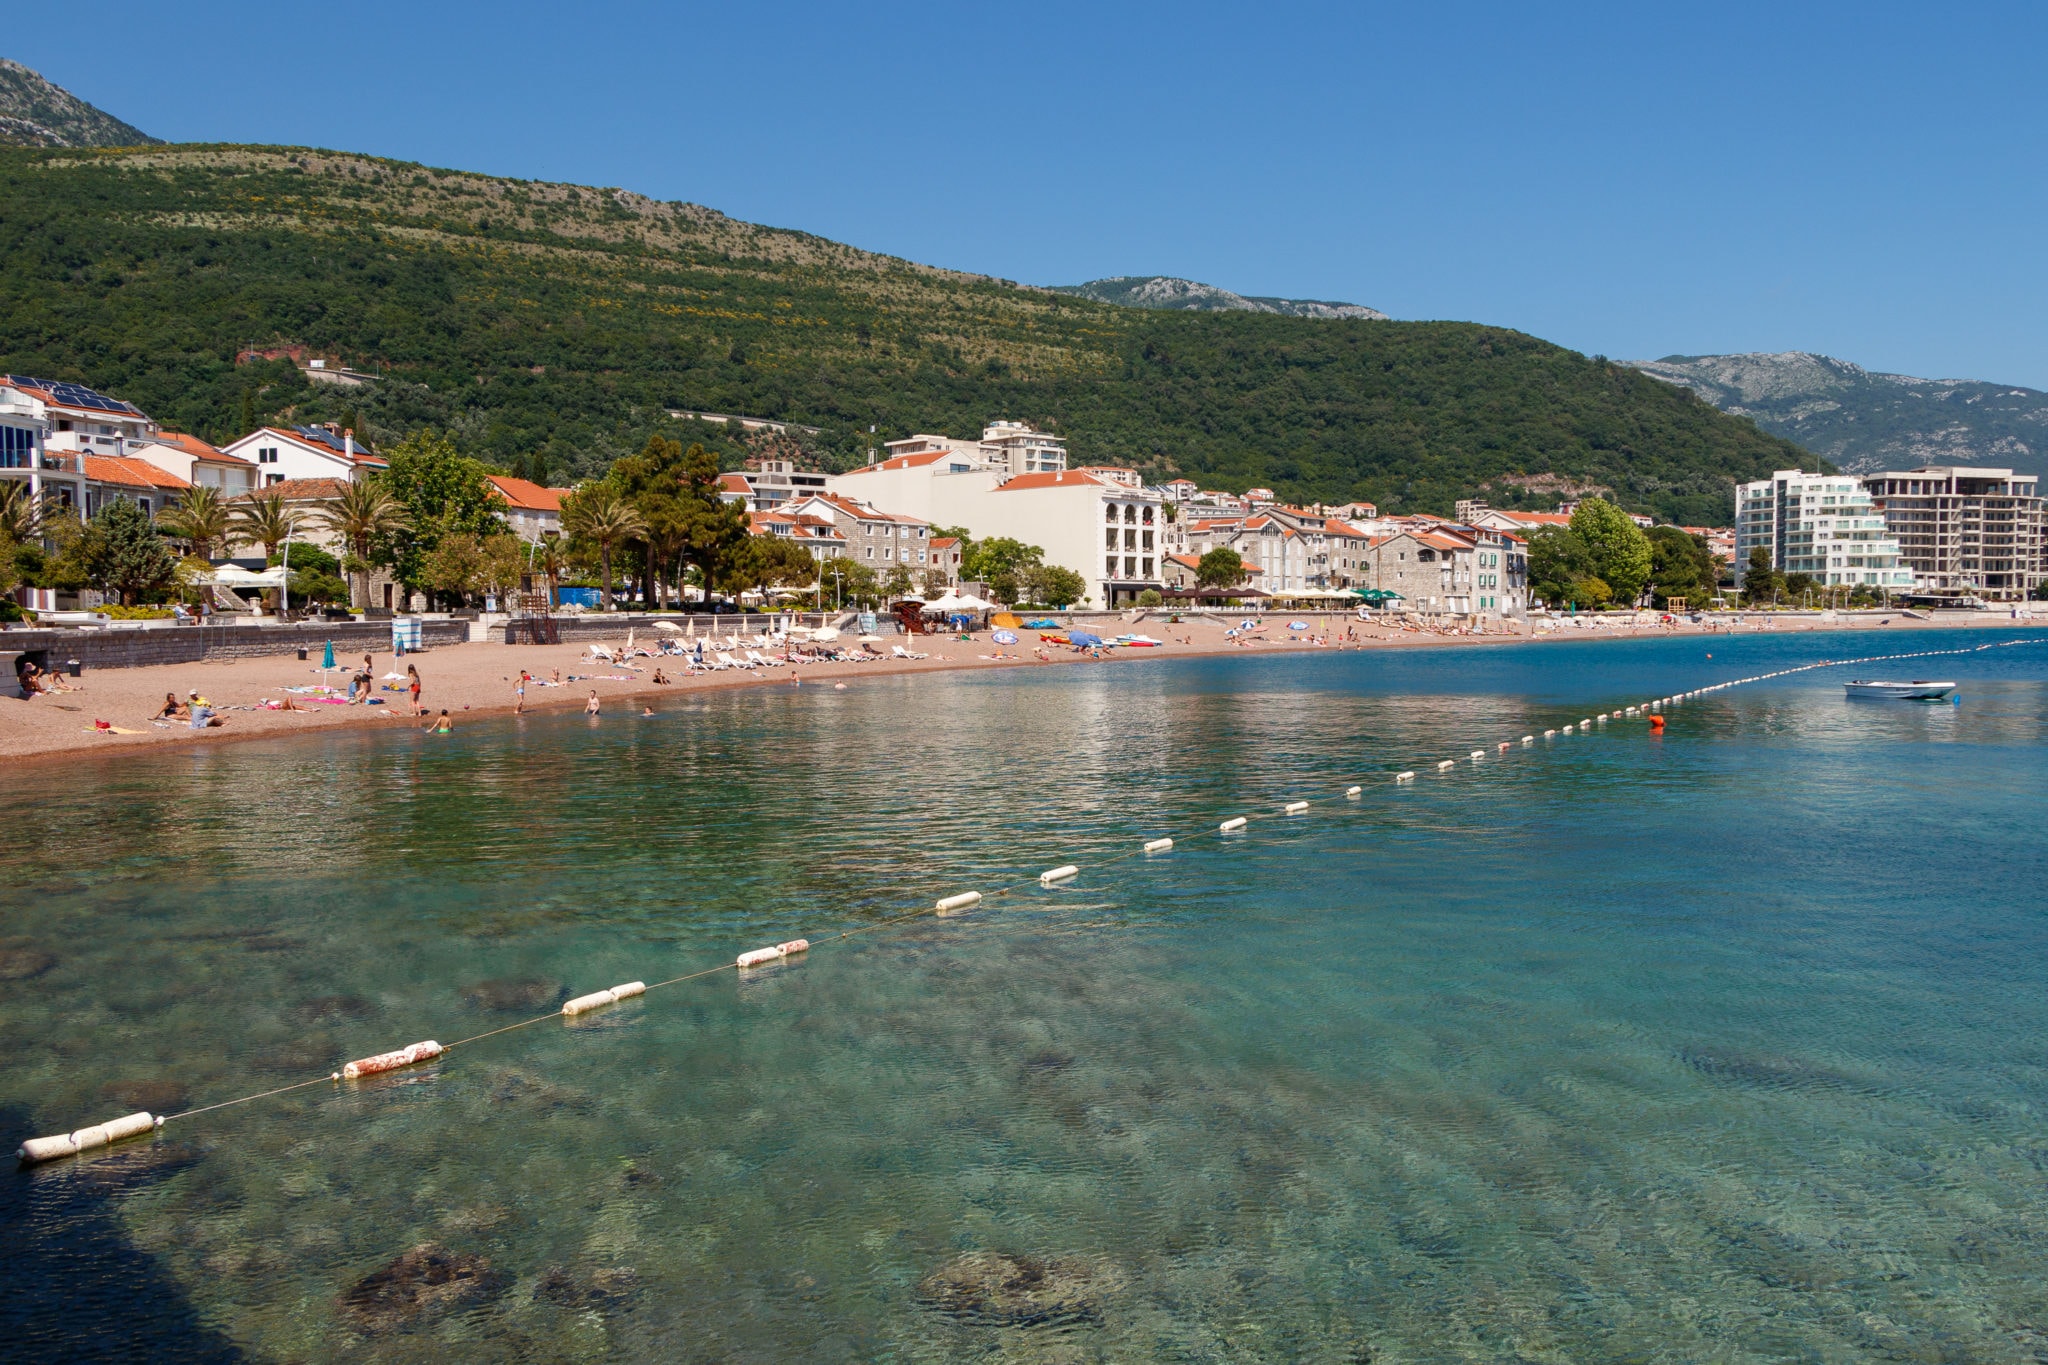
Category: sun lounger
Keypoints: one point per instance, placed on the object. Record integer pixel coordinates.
(725, 660)
(754, 657)
(900, 652)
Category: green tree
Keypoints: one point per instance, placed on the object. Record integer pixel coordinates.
(260, 519)
(1002, 563)
(770, 561)
(1558, 558)
(933, 583)
(1149, 597)
(201, 518)
(442, 492)
(896, 582)
(1055, 585)
(367, 518)
(1221, 567)
(850, 581)
(124, 555)
(598, 517)
(20, 519)
(1761, 583)
(1620, 550)
(1681, 565)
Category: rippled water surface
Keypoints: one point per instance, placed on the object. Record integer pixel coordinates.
(1724, 1046)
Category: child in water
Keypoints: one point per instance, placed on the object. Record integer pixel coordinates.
(439, 727)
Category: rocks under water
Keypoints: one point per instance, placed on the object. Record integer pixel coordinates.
(425, 1280)
(992, 1289)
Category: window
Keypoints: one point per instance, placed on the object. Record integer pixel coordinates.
(17, 448)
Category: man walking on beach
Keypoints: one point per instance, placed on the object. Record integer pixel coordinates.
(519, 691)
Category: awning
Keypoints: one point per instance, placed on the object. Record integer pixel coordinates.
(1216, 594)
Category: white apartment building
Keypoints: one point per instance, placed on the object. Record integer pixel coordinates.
(198, 463)
(1110, 534)
(282, 454)
(1966, 529)
(1013, 447)
(768, 483)
(47, 429)
(1824, 525)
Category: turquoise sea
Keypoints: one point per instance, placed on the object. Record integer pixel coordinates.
(1726, 1046)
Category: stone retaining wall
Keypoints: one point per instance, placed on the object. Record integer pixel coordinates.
(135, 648)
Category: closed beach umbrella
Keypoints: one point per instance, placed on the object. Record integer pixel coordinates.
(327, 658)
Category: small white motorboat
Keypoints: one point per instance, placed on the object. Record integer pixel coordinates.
(1920, 689)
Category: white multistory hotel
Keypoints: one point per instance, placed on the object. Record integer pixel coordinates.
(1824, 525)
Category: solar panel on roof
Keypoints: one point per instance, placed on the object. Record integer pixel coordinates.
(73, 395)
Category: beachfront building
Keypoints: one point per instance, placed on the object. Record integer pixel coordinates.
(123, 478)
(948, 557)
(768, 482)
(1822, 525)
(881, 540)
(1965, 530)
(284, 454)
(816, 534)
(1110, 534)
(1294, 549)
(533, 511)
(1014, 448)
(49, 426)
(197, 463)
(1435, 572)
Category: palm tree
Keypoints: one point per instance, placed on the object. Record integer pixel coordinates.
(599, 516)
(362, 515)
(550, 560)
(201, 518)
(21, 521)
(261, 519)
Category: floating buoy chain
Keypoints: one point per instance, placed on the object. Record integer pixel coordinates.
(51, 1148)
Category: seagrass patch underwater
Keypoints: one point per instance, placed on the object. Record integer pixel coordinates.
(1724, 1044)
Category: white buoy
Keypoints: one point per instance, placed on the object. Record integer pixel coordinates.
(85, 1139)
(1528, 739)
(1353, 791)
(1234, 822)
(1478, 754)
(959, 902)
(795, 945)
(1294, 808)
(583, 1004)
(1158, 845)
(391, 1061)
(1058, 874)
(1447, 763)
(1548, 733)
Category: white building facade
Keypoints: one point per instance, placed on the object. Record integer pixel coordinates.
(1824, 525)
(1966, 530)
(282, 454)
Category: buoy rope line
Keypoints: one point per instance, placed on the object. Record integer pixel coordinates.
(133, 1125)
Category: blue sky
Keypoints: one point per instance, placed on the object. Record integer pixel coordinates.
(1863, 180)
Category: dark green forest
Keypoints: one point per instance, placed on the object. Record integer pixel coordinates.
(526, 318)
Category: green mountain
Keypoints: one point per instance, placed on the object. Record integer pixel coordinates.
(1863, 420)
(527, 317)
(35, 113)
(1166, 291)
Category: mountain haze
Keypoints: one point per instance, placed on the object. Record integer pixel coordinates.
(1864, 420)
(35, 113)
(1166, 291)
(531, 317)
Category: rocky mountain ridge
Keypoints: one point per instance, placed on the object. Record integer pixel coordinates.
(36, 113)
(1171, 292)
(1867, 420)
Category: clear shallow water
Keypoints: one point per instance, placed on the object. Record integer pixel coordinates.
(1727, 1046)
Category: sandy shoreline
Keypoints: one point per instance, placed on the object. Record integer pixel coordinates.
(475, 681)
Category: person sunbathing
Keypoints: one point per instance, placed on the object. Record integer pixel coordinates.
(172, 710)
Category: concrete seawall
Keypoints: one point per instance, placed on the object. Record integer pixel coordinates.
(135, 648)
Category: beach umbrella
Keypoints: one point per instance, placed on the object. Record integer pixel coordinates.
(1006, 637)
(1083, 638)
(327, 658)
(1297, 625)
(825, 633)
(666, 625)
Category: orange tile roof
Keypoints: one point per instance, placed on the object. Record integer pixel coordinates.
(1055, 479)
(197, 448)
(1539, 518)
(917, 461)
(300, 490)
(735, 483)
(944, 542)
(123, 472)
(527, 495)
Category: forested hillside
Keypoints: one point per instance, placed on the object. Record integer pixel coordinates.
(526, 317)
